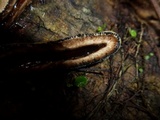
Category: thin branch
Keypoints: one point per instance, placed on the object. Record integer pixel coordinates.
(156, 7)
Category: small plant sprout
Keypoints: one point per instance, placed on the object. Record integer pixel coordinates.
(133, 33)
(148, 56)
(140, 69)
(151, 54)
(81, 81)
(102, 28)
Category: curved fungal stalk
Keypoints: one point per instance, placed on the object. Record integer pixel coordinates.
(104, 44)
(69, 53)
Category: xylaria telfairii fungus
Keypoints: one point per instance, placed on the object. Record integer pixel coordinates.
(69, 53)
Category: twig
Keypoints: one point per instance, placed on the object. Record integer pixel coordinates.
(136, 54)
(156, 7)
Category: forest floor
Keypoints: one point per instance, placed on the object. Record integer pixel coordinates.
(125, 86)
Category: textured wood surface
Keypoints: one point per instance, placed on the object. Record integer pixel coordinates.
(125, 86)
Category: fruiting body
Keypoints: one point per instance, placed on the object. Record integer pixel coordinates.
(69, 53)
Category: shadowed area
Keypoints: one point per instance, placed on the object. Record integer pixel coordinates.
(124, 86)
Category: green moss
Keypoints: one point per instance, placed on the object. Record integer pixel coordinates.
(81, 81)
(101, 28)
